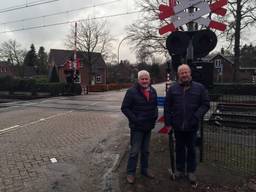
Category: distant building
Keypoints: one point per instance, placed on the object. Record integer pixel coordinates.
(7, 69)
(224, 69)
(59, 57)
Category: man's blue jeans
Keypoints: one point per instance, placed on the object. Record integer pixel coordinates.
(186, 151)
(139, 144)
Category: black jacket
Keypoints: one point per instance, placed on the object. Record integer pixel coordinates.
(184, 109)
(142, 114)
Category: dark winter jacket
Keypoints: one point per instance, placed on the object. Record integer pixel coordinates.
(141, 113)
(184, 108)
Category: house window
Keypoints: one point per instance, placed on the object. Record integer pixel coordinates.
(218, 66)
(98, 79)
(217, 63)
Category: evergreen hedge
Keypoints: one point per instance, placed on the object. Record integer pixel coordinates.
(12, 85)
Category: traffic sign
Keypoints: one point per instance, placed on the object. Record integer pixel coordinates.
(184, 17)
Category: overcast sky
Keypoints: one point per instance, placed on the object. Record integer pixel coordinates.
(12, 13)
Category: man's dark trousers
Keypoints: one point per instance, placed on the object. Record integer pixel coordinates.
(139, 144)
(186, 151)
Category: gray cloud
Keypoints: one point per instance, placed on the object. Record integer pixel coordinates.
(53, 37)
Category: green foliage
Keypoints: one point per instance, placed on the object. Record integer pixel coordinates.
(25, 84)
(54, 75)
(248, 56)
(77, 89)
(143, 66)
(155, 73)
(42, 61)
(41, 79)
(7, 83)
(31, 85)
(56, 88)
(31, 57)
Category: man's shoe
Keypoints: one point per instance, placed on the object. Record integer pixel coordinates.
(192, 179)
(148, 175)
(130, 179)
(179, 175)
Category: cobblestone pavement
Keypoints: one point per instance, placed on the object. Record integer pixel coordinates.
(85, 134)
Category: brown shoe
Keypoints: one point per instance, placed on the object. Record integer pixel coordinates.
(130, 179)
(149, 175)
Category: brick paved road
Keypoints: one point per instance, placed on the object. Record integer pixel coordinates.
(77, 131)
(85, 134)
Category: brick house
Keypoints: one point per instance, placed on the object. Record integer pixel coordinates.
(7, 69)
(59, 57)
(223, 70)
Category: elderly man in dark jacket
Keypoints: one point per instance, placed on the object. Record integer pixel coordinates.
(140, 107)
(186, 103)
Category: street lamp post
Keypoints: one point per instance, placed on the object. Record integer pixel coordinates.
(120, 45)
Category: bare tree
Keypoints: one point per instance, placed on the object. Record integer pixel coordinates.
(144, 32)
(241, 16)
(92, 37)
(10, 50)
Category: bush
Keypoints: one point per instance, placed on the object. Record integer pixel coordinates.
(40, 79)
(25, 85)
(73, 89)
(7, 83)
(56, 89)
(77, 89)
(108, 87)
(97, 88)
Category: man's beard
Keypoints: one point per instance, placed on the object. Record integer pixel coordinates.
(186, 82)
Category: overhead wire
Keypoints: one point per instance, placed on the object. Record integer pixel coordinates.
(58, 13)
(67, 22)
(32, 4)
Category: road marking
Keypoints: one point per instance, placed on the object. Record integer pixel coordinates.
(28, 103)
(8, 129)
(7, 107)
(94, 103)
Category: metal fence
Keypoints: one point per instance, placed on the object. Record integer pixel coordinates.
(229, 133)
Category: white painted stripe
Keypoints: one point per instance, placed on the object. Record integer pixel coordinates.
(28, 103)
(9, 128)
(6, 107)
(94, 103)
(59, 114)
(33, 122)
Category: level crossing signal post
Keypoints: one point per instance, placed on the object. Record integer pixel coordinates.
(191, 45)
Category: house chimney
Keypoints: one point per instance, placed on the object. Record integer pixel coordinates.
(222, 51)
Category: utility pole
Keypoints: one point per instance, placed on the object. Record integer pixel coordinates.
(76, 68)
(190, 49)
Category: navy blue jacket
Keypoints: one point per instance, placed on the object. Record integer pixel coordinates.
(185, 108)
(142, 114)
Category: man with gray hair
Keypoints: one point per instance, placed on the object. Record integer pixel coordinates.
(186, 103)
(140, 107)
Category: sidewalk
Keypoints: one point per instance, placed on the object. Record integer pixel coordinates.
(210, 178)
